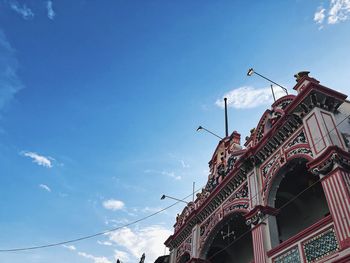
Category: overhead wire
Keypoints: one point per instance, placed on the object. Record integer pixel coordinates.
(99, 233)
(139, 220)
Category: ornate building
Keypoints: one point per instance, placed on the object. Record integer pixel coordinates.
(285, 196)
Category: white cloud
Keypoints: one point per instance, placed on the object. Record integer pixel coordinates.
(94, 258)
(172, 175)
(113, 204)
(148, 240)
(319, 15)
(50, 12)
(88, 256)
(184, 165)
(249, 97)
(338, 11)
(121, 255)
(166, 173)
(148, 209)
(10, 83)
(23, 10)
(70, 247)
(104, 243)
(45, 187)
(39, 159)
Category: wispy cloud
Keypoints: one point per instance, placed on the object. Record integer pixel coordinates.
(148, 209)
(95, 259)
(104, 243)
(148, 240)
(50, 12)
(10, 83)
(45, 187)
(121, 255)
(248, 97)
(165, 173)
(113, 204)
(184, 165)
(319, 16)
(338, 11)
(70, 247)
(23, 10)
(41, 160)
(172, 175)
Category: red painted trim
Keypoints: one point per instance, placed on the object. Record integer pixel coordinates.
(342, 204)
(334, 128)
(265, 209)
(326, 155)
(266, 195)
(274, 258)
(302, 234)
(252, 150)
(282, 99)
(319, 232)
(319, 128)
(345, 259)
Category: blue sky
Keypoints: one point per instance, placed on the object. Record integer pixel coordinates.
(100, 100)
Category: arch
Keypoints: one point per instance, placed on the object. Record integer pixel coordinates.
(276, 178)
(184, 258)
(305, 209)
(221, 245)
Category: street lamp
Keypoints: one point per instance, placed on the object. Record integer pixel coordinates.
(251, 71)
(166, 196)
(202, 128)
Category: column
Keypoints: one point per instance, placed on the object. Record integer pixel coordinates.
(336, 186)
(258, 243)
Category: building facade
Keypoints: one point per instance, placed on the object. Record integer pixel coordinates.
(285, 196)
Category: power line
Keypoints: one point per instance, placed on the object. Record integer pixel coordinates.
(138, 220)
(96, 234)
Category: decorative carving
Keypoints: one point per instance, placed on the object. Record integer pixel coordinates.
(320, 246)
(241, 193)
(268, 179)
(335, 158)
(181, 219)
(230, 163)
(257, 215)
(207, 226)
(266, 169)
(306, 151)
(236, 206)
(299, 139)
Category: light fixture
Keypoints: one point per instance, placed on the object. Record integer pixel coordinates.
(202, 128)
(166, 196)
(251, 71)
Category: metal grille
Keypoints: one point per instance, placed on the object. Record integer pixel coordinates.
(320, 246)
(291, 256)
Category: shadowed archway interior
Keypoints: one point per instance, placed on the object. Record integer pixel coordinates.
(306, 209)
(228, 244)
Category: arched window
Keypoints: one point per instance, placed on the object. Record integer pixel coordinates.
(299, 196)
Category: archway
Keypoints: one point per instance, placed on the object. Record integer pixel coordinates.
(230, 241)
(299, 196)
(185, 258)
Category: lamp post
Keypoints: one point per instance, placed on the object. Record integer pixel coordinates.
(251, 71)
(166, 196)
(202, 128)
